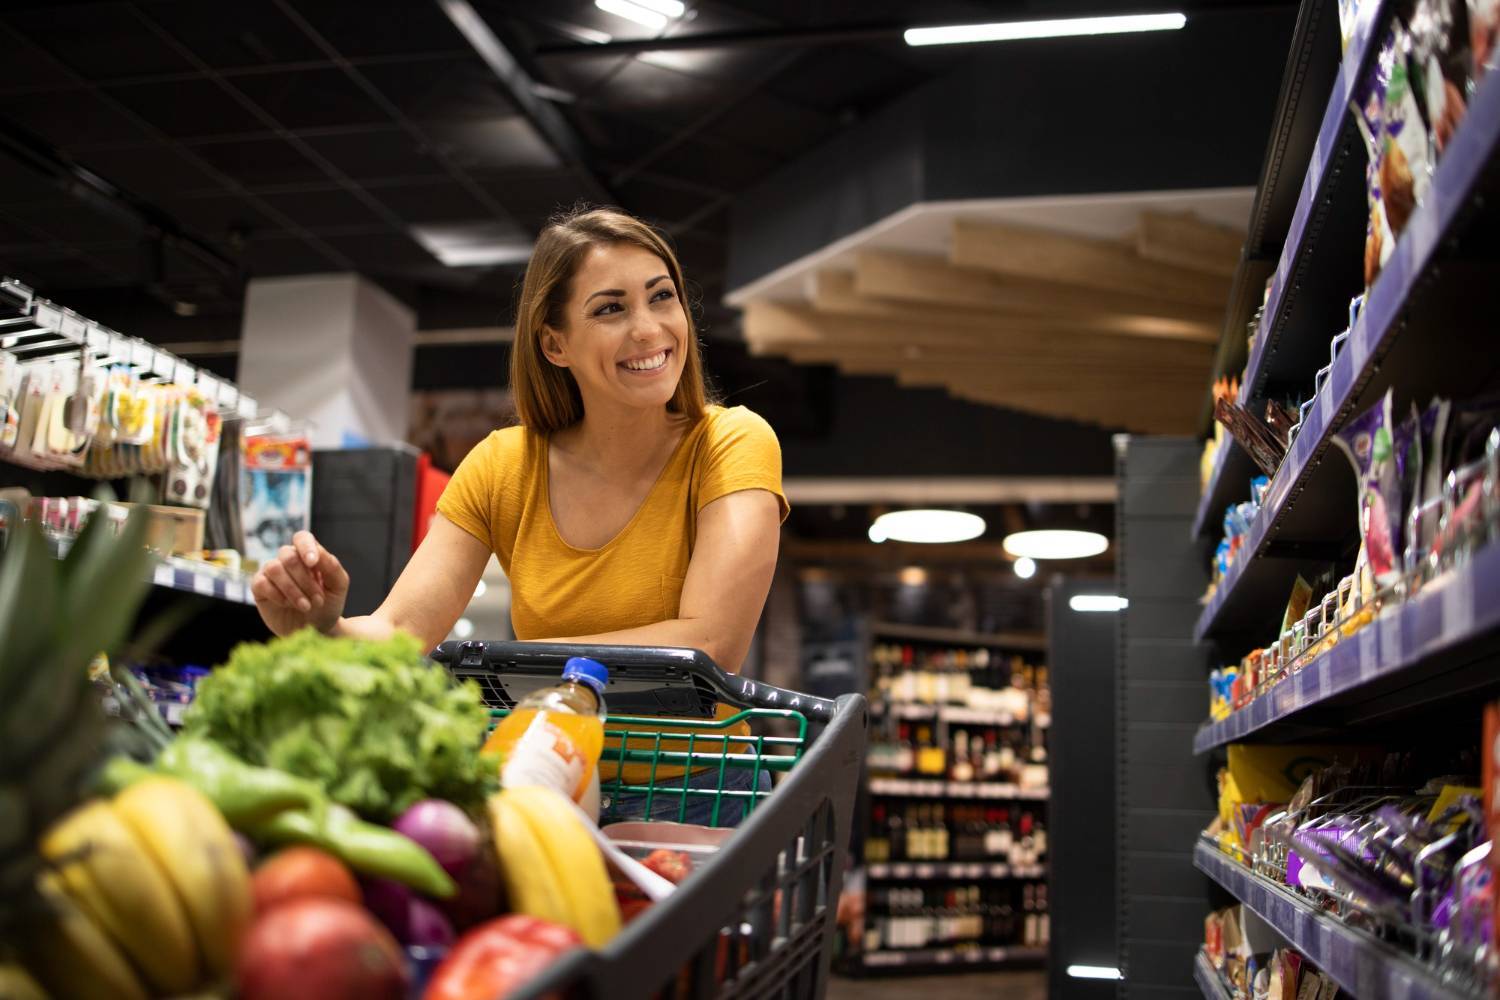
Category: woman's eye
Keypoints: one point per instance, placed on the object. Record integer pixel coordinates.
(608, 307)
(663, 295)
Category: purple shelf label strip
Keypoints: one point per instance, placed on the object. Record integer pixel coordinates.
(1460, 605)
(1206, 501)
(1359, 964)
(1208, 979)
(1452, 185)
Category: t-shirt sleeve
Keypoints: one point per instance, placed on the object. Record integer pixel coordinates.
(743, 454)
(468, 499)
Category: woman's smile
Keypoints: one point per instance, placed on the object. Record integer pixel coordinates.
(647, 364)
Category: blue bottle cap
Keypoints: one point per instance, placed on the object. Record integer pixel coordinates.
(586, 671)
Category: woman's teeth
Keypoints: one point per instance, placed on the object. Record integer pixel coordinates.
(647, 364)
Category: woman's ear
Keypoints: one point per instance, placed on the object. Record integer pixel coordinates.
(553, 347)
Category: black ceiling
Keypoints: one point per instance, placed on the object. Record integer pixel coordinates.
(297, 136)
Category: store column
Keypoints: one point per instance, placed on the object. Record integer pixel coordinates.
(333, 349)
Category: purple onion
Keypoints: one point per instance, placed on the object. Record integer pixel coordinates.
(444, 830)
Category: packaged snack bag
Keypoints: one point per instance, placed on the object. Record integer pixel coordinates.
(1405, 171)
(1440, 66)
(1368, 442)
(1368, 106)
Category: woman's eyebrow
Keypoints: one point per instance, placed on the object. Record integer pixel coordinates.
(659, 277)
(605, 291)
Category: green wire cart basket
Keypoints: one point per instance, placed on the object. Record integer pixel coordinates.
(757, 918)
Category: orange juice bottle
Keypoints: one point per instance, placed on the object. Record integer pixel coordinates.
(554, 736)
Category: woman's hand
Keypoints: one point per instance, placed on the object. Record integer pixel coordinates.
(304, 585)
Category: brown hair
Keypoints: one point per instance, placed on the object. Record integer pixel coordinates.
(546, 396)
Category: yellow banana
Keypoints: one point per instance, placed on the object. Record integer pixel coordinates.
(113, 877)
(192, 843)
(16, 984)
(70, 954)
(576, 861)
(530, 882)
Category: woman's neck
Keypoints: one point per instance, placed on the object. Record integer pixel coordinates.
(623, 439)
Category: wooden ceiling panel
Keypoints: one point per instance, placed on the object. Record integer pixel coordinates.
(1023, 252)
(925, 278)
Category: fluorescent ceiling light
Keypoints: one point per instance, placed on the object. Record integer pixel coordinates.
(667, 8)
(1055, 544)
(463, 628)
(1097, 602)
(1025, 567)
(1010, 31)
(1094, 972)
(479, 245)
(632, 11)
(928, 526)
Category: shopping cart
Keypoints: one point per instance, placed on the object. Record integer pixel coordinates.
(757, 918)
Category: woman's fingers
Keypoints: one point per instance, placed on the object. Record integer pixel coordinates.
(335, 577)
(308, 548)
(283, 589)
(307, 580)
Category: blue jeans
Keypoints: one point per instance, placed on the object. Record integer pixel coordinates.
(631, 806)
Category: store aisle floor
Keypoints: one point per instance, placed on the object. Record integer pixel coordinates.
(1028, 985)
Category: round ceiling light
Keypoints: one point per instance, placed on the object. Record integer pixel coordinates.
(1025, 567)
(1055, 544)
(928, 526)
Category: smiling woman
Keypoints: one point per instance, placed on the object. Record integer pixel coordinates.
(624, 508)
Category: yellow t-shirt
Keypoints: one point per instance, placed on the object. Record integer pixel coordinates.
(499, 494)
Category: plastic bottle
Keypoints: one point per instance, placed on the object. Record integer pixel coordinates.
(554, 736)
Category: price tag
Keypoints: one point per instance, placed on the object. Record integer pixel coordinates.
(97, 338)
(141, 355)
(247, 406)
(163, 363)
(48, 317)
(235, 591)
(163, 576)
(74, 327)
(925, 871)
(203, 584)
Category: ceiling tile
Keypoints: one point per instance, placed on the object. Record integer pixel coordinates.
(335, 208)
(640, 87)
(442, 89)
(257, 34)
(188, 109)
(151, 172)
(437, 202)
(71, 222)
(312, 98)
(255, 162)
(493, 144)
(73, 119)
(771, 125)
(355, 29)
(216, 217)
(725, 167)
(377, 153)
(657, 203)
(21, 185)
(27, 66)
(98, 41)
(275, 255)
(532, 197)
(392, 253)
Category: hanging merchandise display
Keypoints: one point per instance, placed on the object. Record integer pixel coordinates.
(276, 489)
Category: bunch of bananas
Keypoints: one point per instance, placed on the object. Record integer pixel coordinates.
(146, 894)
(552, 867)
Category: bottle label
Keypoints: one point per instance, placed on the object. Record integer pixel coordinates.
(546, 756)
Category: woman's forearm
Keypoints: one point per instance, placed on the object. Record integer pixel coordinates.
(694, 633)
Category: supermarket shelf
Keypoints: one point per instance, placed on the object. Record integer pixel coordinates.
(1313, 282)
(950, 956)
(1359, 963)
(959, 637)
(931, 788)
(961, 714)
(1457, 608)
(202, 583)
(1228, 483)
(1208, 979)
(1305, 86)
(1311, 495)
(904, 870)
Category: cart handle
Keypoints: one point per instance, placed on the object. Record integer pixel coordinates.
(625, 662)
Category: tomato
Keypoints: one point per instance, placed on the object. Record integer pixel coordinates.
(300, 872)
(320, 949)
(496, 957)
(674, 866)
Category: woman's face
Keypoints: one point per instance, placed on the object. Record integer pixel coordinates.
(625, 329)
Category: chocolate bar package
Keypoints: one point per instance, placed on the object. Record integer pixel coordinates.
(1441, 66)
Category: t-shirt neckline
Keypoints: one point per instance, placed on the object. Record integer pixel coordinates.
(645, 501)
